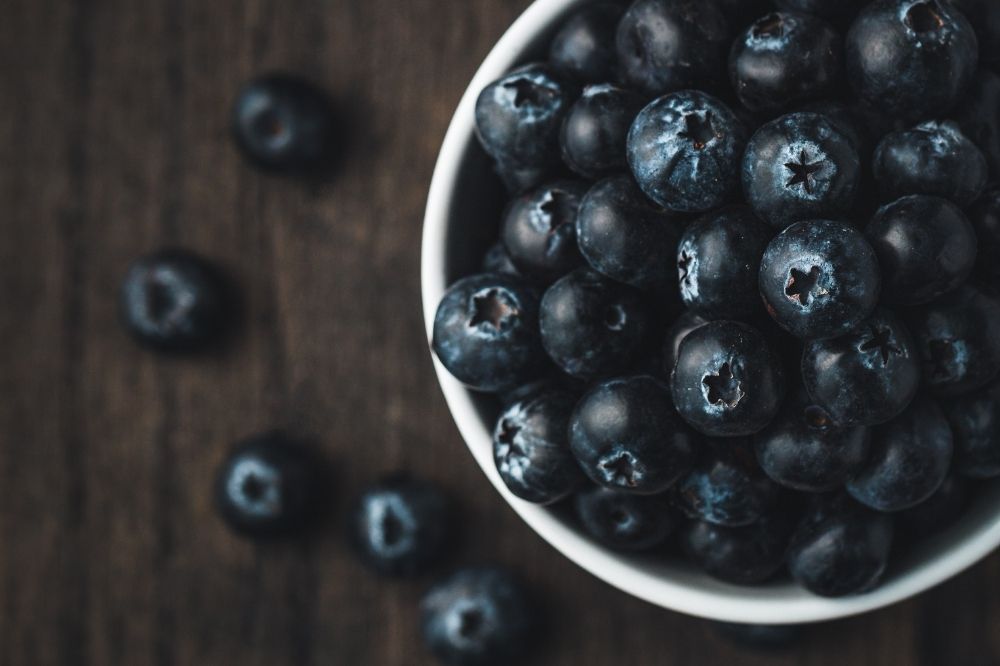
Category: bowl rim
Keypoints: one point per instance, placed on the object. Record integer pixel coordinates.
(680, 591)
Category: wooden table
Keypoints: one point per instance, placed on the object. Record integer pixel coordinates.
(113, 142)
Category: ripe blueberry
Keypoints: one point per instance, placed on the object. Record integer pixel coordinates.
(741, 555)
(539, 230)
(625, 521)
(975, 422)
(584, 47)
(596, 128)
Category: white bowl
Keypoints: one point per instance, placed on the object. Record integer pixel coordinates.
(463, 210)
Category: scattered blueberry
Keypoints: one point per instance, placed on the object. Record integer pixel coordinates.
(539, 230)
(625, 521)
(595, 131)
(740, 555)
(939, 511)
(486, 332)
(684, 324)
(584, 47)
(975, 423)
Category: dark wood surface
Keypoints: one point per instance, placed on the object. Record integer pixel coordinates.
(113, 141)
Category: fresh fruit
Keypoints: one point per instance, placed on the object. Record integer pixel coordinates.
(841, 11)
(975, 422)
(984, 15)
(684, 324)
(740, 555)
(584, 47)
(939, 511)
(626, 436)
(979, 116)
(625, 521)
(595, 131)
(985, 218)
(539, 230)
(497, 260)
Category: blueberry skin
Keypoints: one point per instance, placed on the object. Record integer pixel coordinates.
(740, 555)
(850, 120)
(833, 11)
(984, 15)
(975, 422)
(584, 47)
(784, 59)
(909, 459)
(932, 158)
(684, 150)
(718, 260)
(175, 301)
(726, 487)
(985, 218)
(596, 128)
(840, 548)
(668, 45)
(979, 116)
(531, 447)
(805, 450)
(925, 246)
(763, 636)
(518, 118)
(727, 382)
(267, 487)
(959, 340)
(864, 377)
(539, 230)
(401, 526)
(798, 167)
(939, 511)
(479, 615)
(688, 321)
(912, 59)
(283, 124)
(625, 435)
(591, 326)
(486, 332)
(625, 521)
(624, 236)
(497, 260)
(819, 279)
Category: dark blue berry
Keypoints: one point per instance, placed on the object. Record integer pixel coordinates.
(539, 230)
(480, 615)
(839, 548)
(284, 124)
(939, 511)
(801, 166)
(864, 377)
(842, 11)
(584, 47)
(909, 459)
(762, 636)
(486, 332)
(911, 58)
(497, 260)
(850, 120)
(678, 330)
(984, 16)
(727, 382)
(173, 300)
(268, 486)
(975, 423)
(591, 326)
(668, 45)
(718, 259)
(741, 555)
(625, 521)
(985, 218)
(926, 248)
(932, 158)
(784, 59)
(622, 235)
(819, 279)
(401, 526)
(626, 436)
(979, 116)
(531, 447)
(685, 149)
(596, 128)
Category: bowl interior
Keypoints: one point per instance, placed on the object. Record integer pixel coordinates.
(462, 220)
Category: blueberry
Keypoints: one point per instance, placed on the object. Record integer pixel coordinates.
(975, 422)
(480, 615)
(625, 521)
(622, 235)
(531, 447)
(668, 45)
(591, 326)
(626, 436)
(984, 15)
(401, 525)
(841, 11)
(805, 450)
(726, 487)
(864, 377)
(839, 548)
(959, 340)
(909, 459)
(518, 118)
(784, 59)
(765, 636)
(497, 260)
(688, 321)
(596, 128)
(925, 246)
(268, 486)
(486, 332)
(850, 120)
(912, 58)
(684, 149)
(985, 218)
(539, 230)
(819, 279)
(741, 555)
(718, 260)
(939, 511)
(284, 124)
(173, 300)
(800, 166)
(979, 116)
(728, 382)
(584, 47)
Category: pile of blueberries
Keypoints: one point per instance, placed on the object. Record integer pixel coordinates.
(744, 300)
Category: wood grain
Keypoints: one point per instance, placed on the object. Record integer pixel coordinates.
(113, 136)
